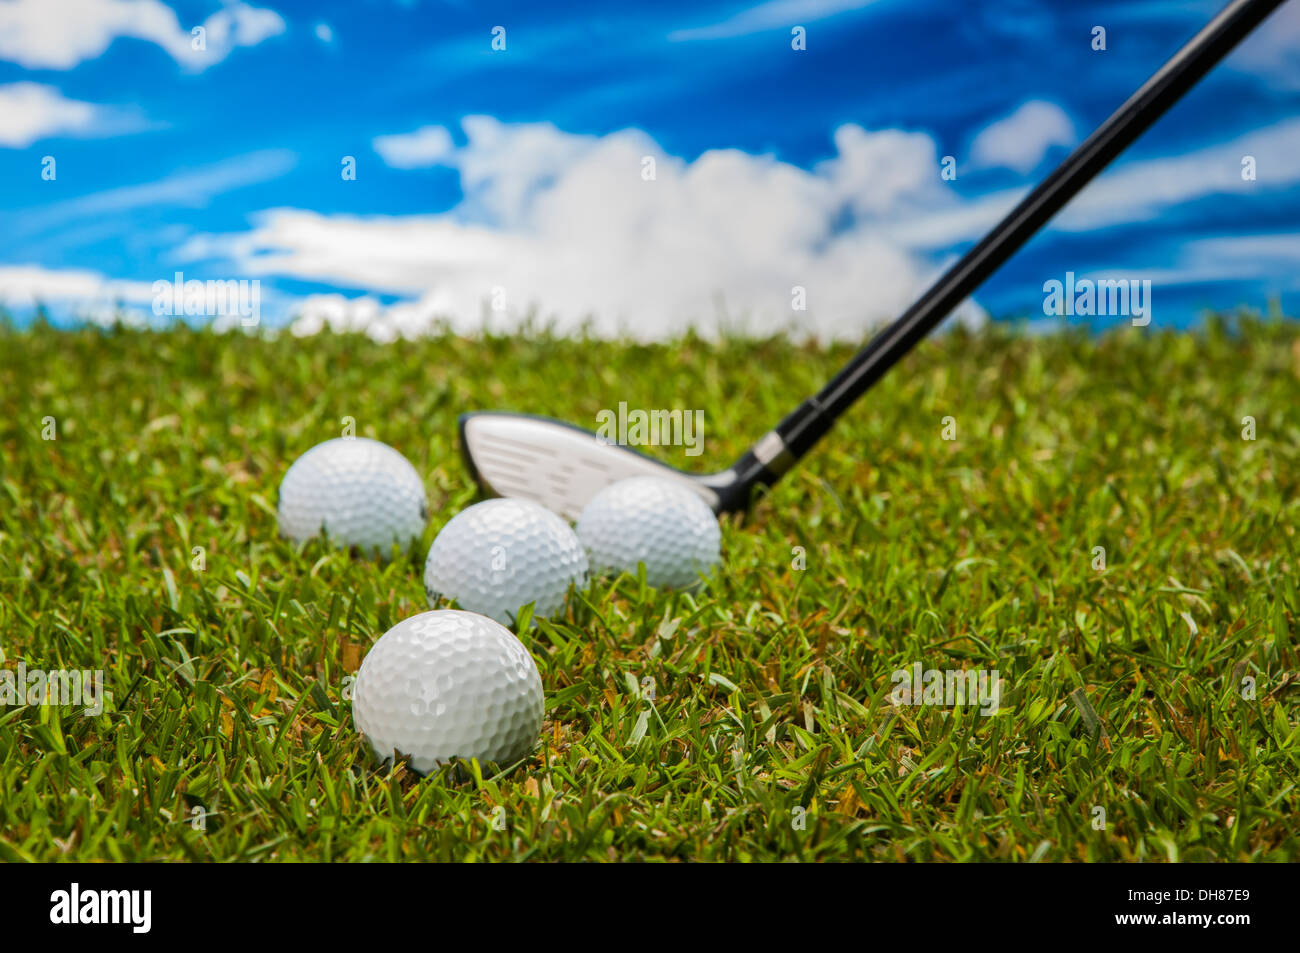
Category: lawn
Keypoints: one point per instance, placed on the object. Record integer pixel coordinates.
(1147, 709)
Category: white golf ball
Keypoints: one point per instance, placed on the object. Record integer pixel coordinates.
(360, 492)
(653, 521)
(499, 555)
(449, 684)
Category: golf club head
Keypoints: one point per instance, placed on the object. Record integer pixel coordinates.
(562, 466)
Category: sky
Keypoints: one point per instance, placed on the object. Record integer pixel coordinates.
(398, 166)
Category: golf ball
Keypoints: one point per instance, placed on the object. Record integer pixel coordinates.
(653, 521)
(499, 555)
(448, 684)
(359, 492)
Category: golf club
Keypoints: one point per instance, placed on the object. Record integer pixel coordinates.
(562, 466)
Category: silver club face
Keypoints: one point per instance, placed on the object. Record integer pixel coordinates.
(560, 466)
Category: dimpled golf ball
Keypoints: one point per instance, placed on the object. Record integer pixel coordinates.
(654, 521)
(448, 684)
(360, 492)
(499, 555)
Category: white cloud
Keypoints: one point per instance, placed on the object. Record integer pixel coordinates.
(324, 33)
(84, 295)
(89, 294)
(1021, 140)
(30, 111)
(236, 24)
(59, 34)
(876, 173)
(504, 167)
(397, 255)
(567, 225)
(775, 14)
(427, 146)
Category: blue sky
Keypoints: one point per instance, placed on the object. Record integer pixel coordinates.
(490, 183)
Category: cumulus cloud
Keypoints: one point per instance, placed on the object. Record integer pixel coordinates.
(566, 224)
(1021, 140)
(775, 14)
(569, 225)
(427, 146)
(59, 34)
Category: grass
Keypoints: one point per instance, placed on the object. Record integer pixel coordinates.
(751, 720)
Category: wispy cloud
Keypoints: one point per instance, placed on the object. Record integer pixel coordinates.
(1273, 51)
(191, 188)
(59, 34)
(1134, 191)
(1140, 189)
(1270, 257)
(775, 14)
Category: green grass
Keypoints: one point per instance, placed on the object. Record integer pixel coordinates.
(1123, 688)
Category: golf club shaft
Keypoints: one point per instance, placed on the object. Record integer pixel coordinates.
(796, 435)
